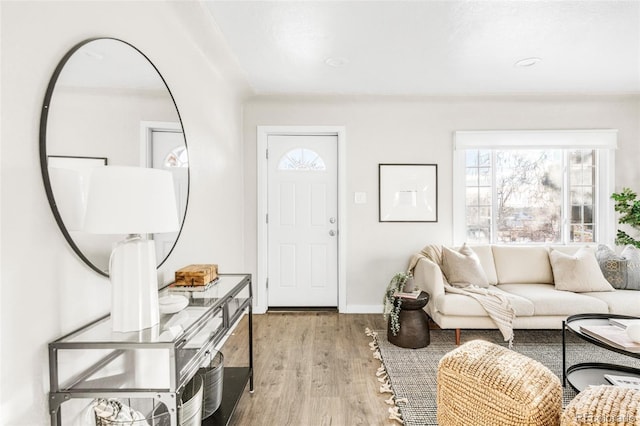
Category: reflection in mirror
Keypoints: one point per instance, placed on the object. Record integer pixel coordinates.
(107, 105)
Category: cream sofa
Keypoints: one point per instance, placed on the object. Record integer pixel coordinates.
(524, 274)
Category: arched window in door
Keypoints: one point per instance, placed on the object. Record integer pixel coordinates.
(177, 158)
(301, 159)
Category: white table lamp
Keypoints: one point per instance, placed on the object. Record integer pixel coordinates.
(68, 191)
(132, 201)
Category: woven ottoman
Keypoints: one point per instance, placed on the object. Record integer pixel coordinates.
(603, 405)
(481, 383)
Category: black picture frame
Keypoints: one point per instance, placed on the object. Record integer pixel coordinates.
(75, 161)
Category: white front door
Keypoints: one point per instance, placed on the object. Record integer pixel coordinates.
(302, 220)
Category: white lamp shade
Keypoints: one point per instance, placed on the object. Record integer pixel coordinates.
(68, 188)
(131, 200)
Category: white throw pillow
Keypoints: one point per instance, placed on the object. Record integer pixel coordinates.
(579, 273)
(462, 267)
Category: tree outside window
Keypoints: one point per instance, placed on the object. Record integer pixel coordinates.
(523, 195)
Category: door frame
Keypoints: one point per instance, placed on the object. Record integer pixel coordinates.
(148, 127)
(263, 133)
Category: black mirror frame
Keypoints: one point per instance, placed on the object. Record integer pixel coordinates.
(43, 151)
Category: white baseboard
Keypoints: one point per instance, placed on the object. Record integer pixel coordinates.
(363, 309)
(351, 309)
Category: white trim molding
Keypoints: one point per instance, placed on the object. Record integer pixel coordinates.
(589, 138)
(146, 128)
(364, 309)
(263, 132)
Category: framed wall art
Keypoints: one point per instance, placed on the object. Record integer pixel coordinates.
(74, 162)
(408, 192)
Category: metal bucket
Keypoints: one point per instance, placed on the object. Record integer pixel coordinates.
(190, 409)
(159, 415)
(212, 375)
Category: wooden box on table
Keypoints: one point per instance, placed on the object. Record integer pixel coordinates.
(196, 275)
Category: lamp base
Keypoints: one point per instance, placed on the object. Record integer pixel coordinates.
(134, 286)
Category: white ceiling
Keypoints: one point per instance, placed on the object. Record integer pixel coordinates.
(449, 47)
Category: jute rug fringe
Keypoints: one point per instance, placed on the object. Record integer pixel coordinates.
(383, 377)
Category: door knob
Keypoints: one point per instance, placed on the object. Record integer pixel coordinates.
(332, 233)
(332, 220)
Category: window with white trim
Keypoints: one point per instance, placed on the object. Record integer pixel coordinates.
(528, 187)
(302, 159)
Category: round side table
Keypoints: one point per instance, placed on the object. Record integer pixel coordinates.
(414, 324)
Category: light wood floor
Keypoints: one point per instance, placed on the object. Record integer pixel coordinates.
(312, 368)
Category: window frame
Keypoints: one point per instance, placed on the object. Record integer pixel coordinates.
(603, 141)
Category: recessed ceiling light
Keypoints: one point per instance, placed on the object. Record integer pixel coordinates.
(527, 62)
(335, 61)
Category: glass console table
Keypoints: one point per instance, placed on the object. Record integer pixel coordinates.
(155, 363)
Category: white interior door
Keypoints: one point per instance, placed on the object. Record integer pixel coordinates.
(302, 220)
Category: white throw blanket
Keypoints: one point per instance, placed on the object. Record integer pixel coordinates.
(496, 304)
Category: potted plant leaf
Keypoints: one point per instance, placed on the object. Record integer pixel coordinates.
(628, 205)
(402, 281)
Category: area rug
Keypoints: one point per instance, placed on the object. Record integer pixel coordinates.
(409, 375)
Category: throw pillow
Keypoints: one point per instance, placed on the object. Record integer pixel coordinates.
(613, 267)
(462, 268)
(579, 273)
(632, 255)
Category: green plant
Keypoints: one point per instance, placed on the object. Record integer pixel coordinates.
(392, 304)
(628, 205)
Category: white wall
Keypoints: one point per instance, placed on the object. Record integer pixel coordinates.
(45, 290)
(420, 130)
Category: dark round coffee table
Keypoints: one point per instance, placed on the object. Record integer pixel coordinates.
(582, 375)
(414, 323)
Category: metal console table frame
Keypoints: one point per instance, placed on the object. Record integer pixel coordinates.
(212, 315)
(592, 373)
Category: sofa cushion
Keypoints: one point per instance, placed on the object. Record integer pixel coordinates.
(632, 255)
(462, 267)
(549, 301)
(485, 255)
(461, 305)
(579, 273)
(522, 264)
(623, 302)
(613, 267)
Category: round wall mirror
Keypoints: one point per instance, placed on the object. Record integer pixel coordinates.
(105, 105)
